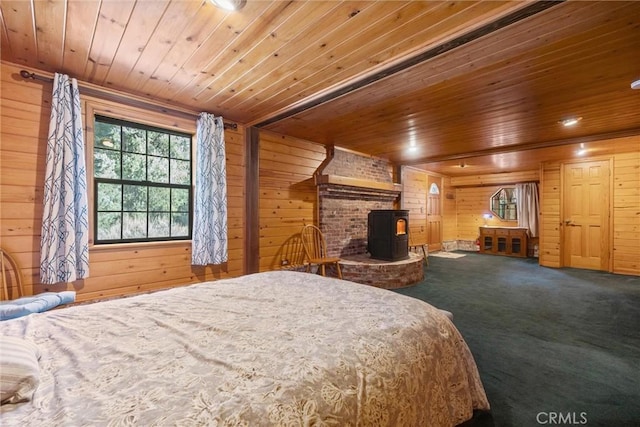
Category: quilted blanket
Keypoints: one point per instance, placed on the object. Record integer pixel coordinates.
(275, 348)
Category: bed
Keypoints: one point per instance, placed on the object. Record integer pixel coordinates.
(276, 348)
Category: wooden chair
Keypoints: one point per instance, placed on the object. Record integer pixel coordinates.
(5, 259)
(315, 248)
(415, 245)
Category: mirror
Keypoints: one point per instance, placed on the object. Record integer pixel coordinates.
(503, 204)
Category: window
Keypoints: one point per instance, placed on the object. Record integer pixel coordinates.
(142, 183)
(503, 204)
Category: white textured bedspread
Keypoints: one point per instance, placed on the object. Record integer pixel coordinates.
(277, 348)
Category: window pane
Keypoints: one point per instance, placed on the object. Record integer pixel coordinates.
(179, 224)
(109, 225)
(158, 170)
(135, 198)
(106, 135)
(159, 200)
(180, 172)
(134, 167)
(158, 143)
(109, 197)
(134, 140)
(106, 163)
(180, 147)
(179, 200)
(159, 225)
(134, 225)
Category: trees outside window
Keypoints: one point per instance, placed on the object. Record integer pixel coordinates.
(142, 183)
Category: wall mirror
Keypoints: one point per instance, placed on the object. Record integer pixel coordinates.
(503, 204)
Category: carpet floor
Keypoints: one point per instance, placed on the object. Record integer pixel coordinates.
(553, 346)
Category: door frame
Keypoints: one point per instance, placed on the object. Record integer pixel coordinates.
(563, 247)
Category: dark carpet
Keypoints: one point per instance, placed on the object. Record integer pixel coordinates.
(553, 346)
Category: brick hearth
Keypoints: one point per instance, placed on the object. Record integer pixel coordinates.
(382, 274)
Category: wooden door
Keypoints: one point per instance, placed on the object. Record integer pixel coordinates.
(586, 207)
(434, 213)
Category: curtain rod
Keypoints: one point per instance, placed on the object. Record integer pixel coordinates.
(119, 98)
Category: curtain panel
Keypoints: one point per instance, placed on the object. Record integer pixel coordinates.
(64, 245)
(209, 237)
(528, 206)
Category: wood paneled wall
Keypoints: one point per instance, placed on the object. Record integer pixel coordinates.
(449, 209)
(414, 199)
(471, 204)
(114, 269)
(288, 197)
(472, 195)
(550, 193)
(415, 189)
(506, 178)
(625, 212)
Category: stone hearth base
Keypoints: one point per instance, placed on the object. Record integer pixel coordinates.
(382, 274)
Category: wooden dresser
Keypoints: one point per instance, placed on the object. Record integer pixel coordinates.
(509, 241)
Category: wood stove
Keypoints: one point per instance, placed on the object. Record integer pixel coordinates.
(387, 233)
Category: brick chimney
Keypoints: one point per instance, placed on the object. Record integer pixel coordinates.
(350, 185)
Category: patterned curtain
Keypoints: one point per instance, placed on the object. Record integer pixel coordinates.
(528, 206)
(64, 245)
(209, 240)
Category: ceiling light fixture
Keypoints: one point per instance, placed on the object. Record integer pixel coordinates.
(571, 121)
(636, 84)
(581, 151)
(230, 5)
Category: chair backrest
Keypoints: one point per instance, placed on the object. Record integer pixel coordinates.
(313, 241)
(417, 237)
(7, 260)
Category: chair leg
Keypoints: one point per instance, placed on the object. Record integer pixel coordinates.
(426, 257)
(322, 269)
(339, 271)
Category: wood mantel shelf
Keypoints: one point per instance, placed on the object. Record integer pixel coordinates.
(357, 182)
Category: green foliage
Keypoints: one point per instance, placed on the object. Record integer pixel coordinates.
(141, 211)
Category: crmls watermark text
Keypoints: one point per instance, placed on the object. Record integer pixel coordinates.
(562, 418)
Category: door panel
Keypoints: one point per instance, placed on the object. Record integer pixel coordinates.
(586, 215)
(434, 213)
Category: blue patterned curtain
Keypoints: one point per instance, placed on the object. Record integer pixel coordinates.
(209, 240)
(64, 245)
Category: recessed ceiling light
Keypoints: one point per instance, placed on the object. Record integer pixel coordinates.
(636, 84)
(229, 4)
(570, 121)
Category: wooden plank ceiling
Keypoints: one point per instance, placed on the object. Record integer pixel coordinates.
(427, 83)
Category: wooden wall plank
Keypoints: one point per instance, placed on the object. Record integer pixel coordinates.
(508, 178)
(288, 196)
(414, 199)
